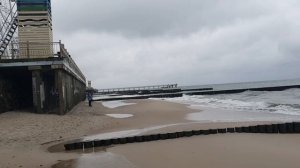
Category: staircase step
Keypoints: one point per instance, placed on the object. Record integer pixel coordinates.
(6, 39)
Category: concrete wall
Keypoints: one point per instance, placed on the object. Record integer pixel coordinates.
(71, 90)
(39, 89)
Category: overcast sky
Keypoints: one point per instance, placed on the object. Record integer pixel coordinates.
(120, 43)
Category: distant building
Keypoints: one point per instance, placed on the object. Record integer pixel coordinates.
(89, 84)
(35, 28)
(89, 87)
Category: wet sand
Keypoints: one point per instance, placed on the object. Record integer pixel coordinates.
(216, 151)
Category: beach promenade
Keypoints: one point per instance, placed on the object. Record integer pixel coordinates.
(32, 140)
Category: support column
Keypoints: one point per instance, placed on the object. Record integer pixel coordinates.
(59, 84)
(38, 91)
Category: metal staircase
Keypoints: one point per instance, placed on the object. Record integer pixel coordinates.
(8, 27)
(10, 31)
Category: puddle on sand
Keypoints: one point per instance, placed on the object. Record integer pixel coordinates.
(96, 160)
(119, 116)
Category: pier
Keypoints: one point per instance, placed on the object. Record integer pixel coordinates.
(137, 93)
(52, 84)
(168, 88)
(36, 74)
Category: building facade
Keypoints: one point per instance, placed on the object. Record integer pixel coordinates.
(35, 28)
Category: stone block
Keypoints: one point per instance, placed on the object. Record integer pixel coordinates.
(196, 132)
(130, 139)
(269, 129)
(205, 132)
(172, 135)
(188, 133)
(282, 128)
(261, 129)
(253, 129)
(238, 129)
(88, 144)
(98, 143)
(296, 127)
(69, 147)
(290, 127)
(213, 131)
(115, 141)
(230, 130)
(123, 140)
(275, 128)
(222, 131)
(180, 134)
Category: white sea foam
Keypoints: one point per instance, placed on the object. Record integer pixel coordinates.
(115, 104)
(253, 102)
(222, 115)
(119, 115)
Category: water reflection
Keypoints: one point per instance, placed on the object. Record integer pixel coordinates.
(103, 160)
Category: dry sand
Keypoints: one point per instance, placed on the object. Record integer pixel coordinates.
(26, 137)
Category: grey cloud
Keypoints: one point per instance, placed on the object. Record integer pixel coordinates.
(154, 17)
(135, 42)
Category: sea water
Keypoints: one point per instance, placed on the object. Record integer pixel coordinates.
(246, 85)
(245, 106)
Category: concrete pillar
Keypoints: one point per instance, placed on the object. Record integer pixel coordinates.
(60, 85)
(38, 91)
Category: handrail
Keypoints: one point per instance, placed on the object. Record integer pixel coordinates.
(168, 86)
(37, 50)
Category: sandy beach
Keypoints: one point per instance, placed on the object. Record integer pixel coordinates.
(216, 151)
(26, 138)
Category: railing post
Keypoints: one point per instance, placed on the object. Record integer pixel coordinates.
(60, 49)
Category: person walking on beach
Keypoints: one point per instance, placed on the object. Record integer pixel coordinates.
(90, 98)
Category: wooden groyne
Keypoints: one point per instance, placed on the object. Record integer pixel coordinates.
(284, 128)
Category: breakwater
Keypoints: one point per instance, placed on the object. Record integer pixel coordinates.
(179, 92)
(282, 128)
(232, 91)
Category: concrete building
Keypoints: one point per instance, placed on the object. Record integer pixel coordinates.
(35, 28)
(39, 75)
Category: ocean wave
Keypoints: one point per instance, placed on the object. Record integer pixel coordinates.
(282, 102)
